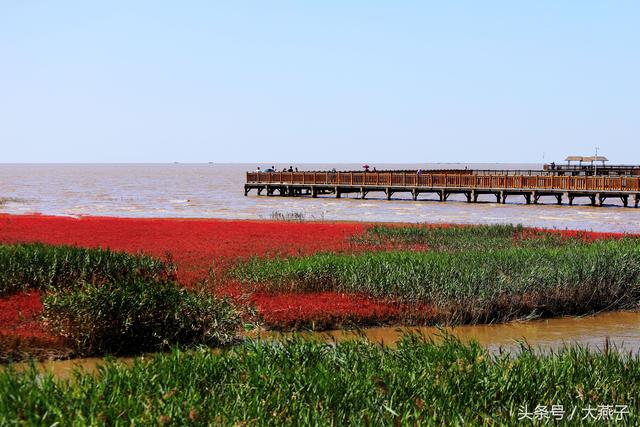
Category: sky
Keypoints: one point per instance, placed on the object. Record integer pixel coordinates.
(330, 81)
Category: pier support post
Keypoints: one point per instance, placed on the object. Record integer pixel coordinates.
(570, 197)
(593, 200)
(388, 192)
(475, 196)
(498, 197)
(637, 201)
(246, 191)
(601, 198)
(259, 191)
(442, 197)
(363, 193)
(468, 196)
(414, 194)
(536, 197)
(314, 192)
(625, 200)
(338, 193)
(503, 197)
(559, 199)
(527, 198)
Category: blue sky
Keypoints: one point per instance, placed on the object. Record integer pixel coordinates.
(241, 81)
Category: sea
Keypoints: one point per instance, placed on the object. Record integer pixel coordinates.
(213, 190)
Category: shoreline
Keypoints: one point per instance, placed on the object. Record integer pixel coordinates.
(36, 215)
(197, 245)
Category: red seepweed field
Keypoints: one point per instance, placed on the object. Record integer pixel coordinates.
(197, 245)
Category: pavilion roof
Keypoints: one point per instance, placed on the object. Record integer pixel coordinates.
(595, 159)
(586, 159)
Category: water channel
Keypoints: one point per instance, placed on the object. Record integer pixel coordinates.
(621, 329)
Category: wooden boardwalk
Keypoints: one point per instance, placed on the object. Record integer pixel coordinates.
(444, 183)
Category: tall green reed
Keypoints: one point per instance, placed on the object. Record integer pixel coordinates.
(300, 382)
(39, 266)
(470, 286)
(460, 238)
(103, 302)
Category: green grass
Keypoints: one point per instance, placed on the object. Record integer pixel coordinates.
(5, 200)
(43, 267)
(461, 238)
(472, 286)
(104, 302)
(133, 316)
(288, 216)
(311, 383)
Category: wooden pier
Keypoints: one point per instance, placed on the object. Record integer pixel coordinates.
(469, 183)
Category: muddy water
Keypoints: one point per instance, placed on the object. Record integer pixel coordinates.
(216, 191)
(65, 369)
(622, 329)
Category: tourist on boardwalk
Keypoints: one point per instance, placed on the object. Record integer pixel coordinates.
(258, 169)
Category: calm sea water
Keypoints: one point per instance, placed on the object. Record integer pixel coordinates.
(216, 191)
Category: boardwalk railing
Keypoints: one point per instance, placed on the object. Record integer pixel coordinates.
(446, 180)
